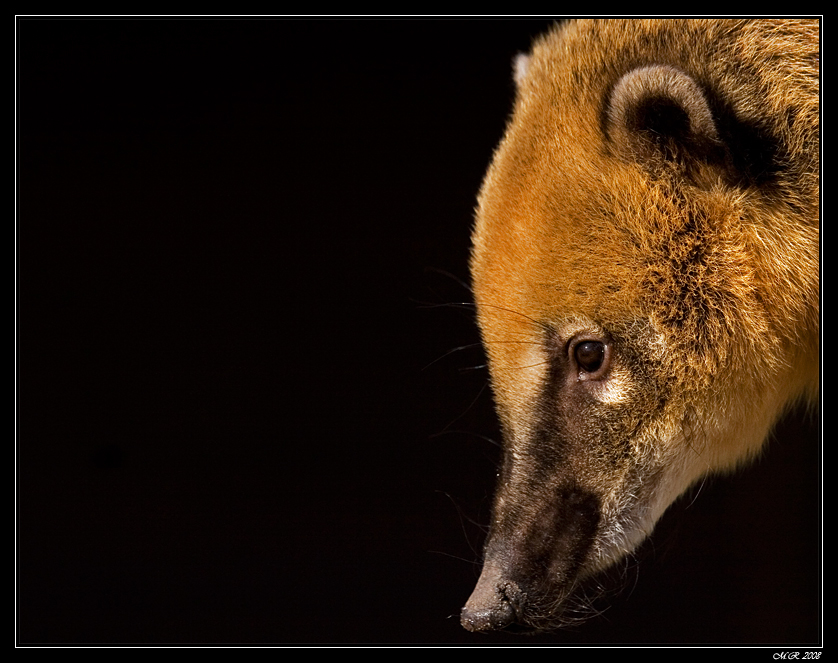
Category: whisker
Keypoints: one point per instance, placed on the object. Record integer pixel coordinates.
(481, 526)
(537, 323)
(463, 519)
(479, 367)
(697, 491)
(446, 273)
(522, 342)
(452, 351)
(464, 412)
(420, 304)
(468, 432)
(472, 562)
(541, 363)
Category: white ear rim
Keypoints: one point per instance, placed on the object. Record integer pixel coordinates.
(663, 81)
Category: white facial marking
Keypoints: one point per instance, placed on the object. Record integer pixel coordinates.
(615, 388)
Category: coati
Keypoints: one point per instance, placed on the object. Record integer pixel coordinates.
(645, 266)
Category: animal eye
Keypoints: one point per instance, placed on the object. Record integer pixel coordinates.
(589, 355)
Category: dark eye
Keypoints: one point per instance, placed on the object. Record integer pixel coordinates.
(589, 355)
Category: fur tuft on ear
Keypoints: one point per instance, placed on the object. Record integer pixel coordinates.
(520, 65)
(659, 112)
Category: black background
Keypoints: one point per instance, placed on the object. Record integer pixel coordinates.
(239, 419)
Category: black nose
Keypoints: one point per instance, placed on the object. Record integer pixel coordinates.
(491, 605)
(490, 618)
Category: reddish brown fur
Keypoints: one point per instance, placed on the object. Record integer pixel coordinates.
(708, 273)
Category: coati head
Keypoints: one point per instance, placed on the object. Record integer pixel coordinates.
(645, 267)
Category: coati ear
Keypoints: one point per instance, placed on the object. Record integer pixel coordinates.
(659, 112)
(520, 65)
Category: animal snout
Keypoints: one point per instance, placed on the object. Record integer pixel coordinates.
(492, 603)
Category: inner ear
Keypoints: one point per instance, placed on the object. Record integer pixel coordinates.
(659, 112)
(661, 116)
